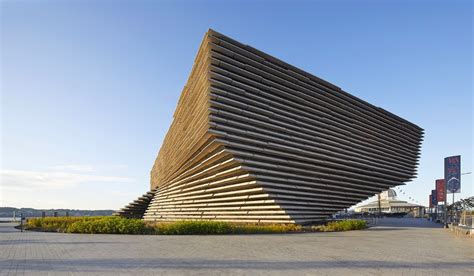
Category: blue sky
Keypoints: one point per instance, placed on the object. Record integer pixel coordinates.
(88, 88)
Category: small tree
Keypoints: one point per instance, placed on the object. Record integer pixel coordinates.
(462, 204)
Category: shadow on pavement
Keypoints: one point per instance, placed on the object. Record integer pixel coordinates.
(97, 265)
(15, 242)
(406, 223)
(382, 228)
(8, 227)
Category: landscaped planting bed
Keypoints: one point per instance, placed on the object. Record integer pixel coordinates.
(118, 225)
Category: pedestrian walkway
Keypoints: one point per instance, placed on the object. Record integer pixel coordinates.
(394, 247)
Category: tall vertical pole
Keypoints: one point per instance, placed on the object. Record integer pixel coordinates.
(452, 211)
(21, 222)
(445, 210)
(380, 207)
(445, 197)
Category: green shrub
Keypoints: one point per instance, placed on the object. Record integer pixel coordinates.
(265, 228)
(221, 227)
(342, 225)
(54, 224)
(109, 225)
(90, 225)
(193, 227)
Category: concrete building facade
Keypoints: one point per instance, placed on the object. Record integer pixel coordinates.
(254, 139)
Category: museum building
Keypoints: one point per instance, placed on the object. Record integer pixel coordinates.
(254, 139)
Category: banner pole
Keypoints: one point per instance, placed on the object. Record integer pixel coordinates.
(452, 212)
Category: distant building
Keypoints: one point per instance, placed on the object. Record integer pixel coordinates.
(389, 204)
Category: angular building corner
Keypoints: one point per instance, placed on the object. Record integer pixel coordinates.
(254, 139)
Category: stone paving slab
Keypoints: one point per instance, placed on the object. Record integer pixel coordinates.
(395, 247)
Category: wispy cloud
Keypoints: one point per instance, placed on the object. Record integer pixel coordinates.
(76, 168)
(88, 168)
(52, 179)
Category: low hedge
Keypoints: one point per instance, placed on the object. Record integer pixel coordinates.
(266, 228)
(192, 227)
(109, 225)
(89, 225)
(57, 224)
(220, 227)
(118, 225)
(342, 225)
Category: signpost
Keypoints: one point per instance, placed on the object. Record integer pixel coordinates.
(440, 195)
(434, 199)
(22, 220)
(452, 174)
(452, 179)
(440, 190)
(430, 207)
(434, 202)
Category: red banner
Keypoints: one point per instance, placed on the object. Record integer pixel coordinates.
(431, 202)
(440, 190)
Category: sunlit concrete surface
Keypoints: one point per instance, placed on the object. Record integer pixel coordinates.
(395, 247)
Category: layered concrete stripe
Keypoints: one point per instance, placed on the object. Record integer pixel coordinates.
(137, 208)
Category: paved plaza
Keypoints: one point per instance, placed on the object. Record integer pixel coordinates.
(394, 247)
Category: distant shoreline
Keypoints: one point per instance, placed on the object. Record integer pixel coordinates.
(7, 212)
